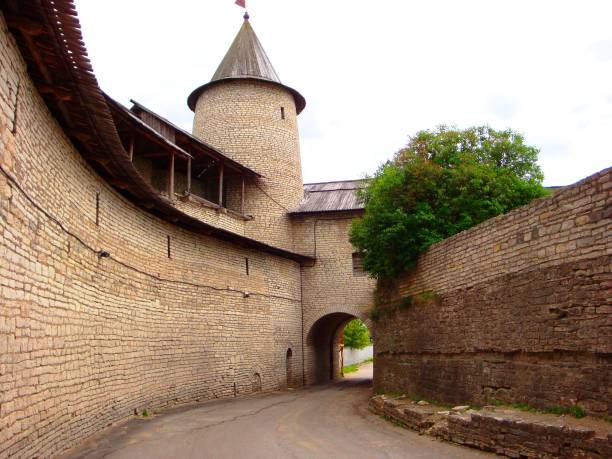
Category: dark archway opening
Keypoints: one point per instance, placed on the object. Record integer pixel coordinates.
(289, 367)
(324, 347)
(256, 383)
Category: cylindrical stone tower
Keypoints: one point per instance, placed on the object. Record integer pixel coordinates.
(248, 114)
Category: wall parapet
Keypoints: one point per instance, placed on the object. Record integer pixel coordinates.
(573, 224)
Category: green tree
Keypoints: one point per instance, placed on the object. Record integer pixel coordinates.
(356, 334)
(443, 182)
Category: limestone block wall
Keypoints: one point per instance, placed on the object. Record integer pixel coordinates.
(523, 313)
(332, 294)
(87, 340)
(243, 119)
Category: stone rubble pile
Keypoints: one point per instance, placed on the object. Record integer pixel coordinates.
(503, 431)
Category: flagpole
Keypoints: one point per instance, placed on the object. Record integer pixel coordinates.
(242, 4)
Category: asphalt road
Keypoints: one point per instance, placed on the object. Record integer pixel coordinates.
(330, 421)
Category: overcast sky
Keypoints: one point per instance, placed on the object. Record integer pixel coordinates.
(375, 72)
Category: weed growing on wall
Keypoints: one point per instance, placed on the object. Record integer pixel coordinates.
(385, 306)
(574, 410)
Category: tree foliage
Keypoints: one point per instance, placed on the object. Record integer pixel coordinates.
(443, 182)
(356, 334)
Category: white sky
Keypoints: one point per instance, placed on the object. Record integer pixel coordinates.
(375, 72)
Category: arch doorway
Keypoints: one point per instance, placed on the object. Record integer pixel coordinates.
(324, 347)
(289, 367)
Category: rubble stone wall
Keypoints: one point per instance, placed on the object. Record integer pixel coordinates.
(522, 313)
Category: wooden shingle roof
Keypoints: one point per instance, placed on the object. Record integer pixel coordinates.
(331, 197)
(246, 60)
(49, 37)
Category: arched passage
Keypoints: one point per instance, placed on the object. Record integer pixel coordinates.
(324, 349)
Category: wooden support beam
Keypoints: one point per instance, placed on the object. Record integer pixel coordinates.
(116, 182)
(188, 175)
(171, 178)
(242, 195)
(62, 93)
(40, 63)
(132, 148)
(220, 184)
(25, 25)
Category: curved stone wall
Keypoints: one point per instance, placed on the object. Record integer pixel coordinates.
(86, 340)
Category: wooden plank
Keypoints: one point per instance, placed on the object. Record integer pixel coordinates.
(188, 175)
(171, 178)
(221, 184)
(132, 148)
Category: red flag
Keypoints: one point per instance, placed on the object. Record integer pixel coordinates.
(241, 3)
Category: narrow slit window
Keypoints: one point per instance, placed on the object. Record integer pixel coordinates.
(246, 266)
(282, 113)
(169, 252)
(97, 208)
(358, 270)
(15, 109)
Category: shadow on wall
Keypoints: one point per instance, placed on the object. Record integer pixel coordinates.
(324, 343)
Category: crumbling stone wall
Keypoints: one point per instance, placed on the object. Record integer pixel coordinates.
(87, 340)
(523, 309)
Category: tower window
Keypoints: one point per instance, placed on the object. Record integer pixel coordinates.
(358, 265)
(282, 113)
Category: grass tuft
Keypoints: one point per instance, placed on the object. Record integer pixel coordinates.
(350, 368)
(574, 410)
(354, 367)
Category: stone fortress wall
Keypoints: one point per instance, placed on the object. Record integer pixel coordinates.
(332, 293)
(87, 340)
(172, 316)
(523, 312)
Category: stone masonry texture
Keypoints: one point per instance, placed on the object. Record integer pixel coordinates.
(243, 119)
(85, 341)
(523, 311)
(332, 295)
(506, 432)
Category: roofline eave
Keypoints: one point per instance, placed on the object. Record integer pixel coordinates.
(300, 101)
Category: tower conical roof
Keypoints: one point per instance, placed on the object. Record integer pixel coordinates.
(246, 59)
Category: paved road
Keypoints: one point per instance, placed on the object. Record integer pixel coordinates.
(329, 421)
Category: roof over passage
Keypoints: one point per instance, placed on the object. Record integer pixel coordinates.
(246, 59)
(188, 141)
(331, 197)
